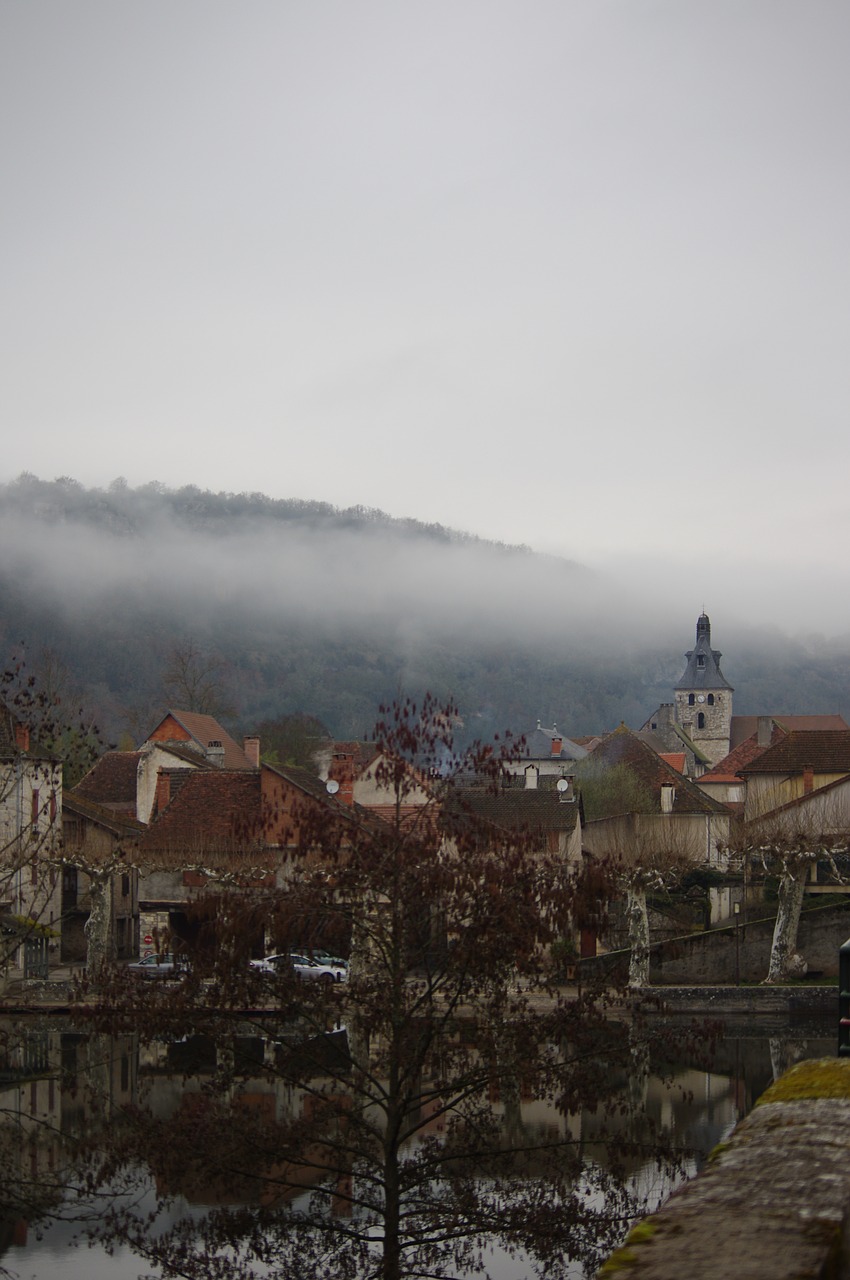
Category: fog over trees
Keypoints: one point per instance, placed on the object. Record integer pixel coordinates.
(301, 607)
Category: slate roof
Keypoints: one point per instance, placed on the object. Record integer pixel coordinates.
(703, 669)
(626, 748)
(538, 745)
(111, 781)
(825, 751)
(743, 727)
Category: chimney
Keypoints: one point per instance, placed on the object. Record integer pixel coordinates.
(668, 794)
(163, 791)
(251, 747)
(530, 777)
(22, 737)
(557, 745)
(765, 730)
(215, 752)
(342, 771)
(808, 779)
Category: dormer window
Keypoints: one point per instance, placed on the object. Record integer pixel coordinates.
(700, 660)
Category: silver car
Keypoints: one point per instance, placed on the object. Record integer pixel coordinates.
(302, 966)
(164, 966)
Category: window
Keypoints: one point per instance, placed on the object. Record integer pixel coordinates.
(700, 660)
(701, 720)
(690, 699)
(34, 813)
(710, 699)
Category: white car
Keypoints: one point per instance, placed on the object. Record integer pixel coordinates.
(302, 967)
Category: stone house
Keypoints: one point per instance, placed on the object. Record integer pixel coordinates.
(217, 829)
(99, 861)
(669, 823)
(205, 737)
(797, 764)
(30, 835)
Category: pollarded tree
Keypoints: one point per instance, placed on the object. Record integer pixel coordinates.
(789, 842)
(410, 1148)
(642, 854)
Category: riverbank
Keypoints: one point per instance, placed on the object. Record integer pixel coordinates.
(797, 1000)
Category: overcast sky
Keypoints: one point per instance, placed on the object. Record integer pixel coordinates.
(568, 274)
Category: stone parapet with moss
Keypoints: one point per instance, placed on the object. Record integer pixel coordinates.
(773, 1202)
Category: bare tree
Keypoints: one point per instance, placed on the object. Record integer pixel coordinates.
(369, 1162)
(196, 681)
(788, 842)
(642, 853)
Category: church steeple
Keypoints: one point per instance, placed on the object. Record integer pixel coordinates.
(703, 669)
(704, 697)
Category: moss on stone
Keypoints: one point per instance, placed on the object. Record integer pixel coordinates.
(621, 1259)
(818, 1078)
(641, 1231)
(624, 1257)
(716, 1152)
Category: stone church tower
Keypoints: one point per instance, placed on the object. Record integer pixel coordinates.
(704, 697)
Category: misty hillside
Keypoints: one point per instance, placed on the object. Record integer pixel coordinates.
(309, 608)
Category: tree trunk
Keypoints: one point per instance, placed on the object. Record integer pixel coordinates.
(98, 932)
(784, 946)
(638, 936)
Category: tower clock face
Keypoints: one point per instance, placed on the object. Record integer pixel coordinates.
(701, 698)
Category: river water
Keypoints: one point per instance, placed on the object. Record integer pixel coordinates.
(693, 1102)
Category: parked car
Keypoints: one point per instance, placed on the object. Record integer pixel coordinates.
(324, 957)
(164, 966)
(302, 966)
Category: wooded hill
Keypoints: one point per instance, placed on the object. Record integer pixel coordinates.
(300, 606)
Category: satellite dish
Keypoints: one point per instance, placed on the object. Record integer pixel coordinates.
(563, 784)
(332, 786)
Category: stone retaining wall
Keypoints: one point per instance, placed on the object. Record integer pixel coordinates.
(773, 1202)
(718, 957)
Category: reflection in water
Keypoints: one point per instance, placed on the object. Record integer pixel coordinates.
(64, 1094)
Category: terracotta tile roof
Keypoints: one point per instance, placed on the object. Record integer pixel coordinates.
(303, 779)
(9, 746)
(119, 824)
(626, 748)
(675, 759)
(825, 751)
(726, 770)
(799, 802)
(203, 730)
(362, 754)
(526, 810)
(214, 811)
(182, 751)
(743, 727)
(111, 781)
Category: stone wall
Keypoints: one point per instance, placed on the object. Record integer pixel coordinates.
(773, 1202)
(720, 957)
